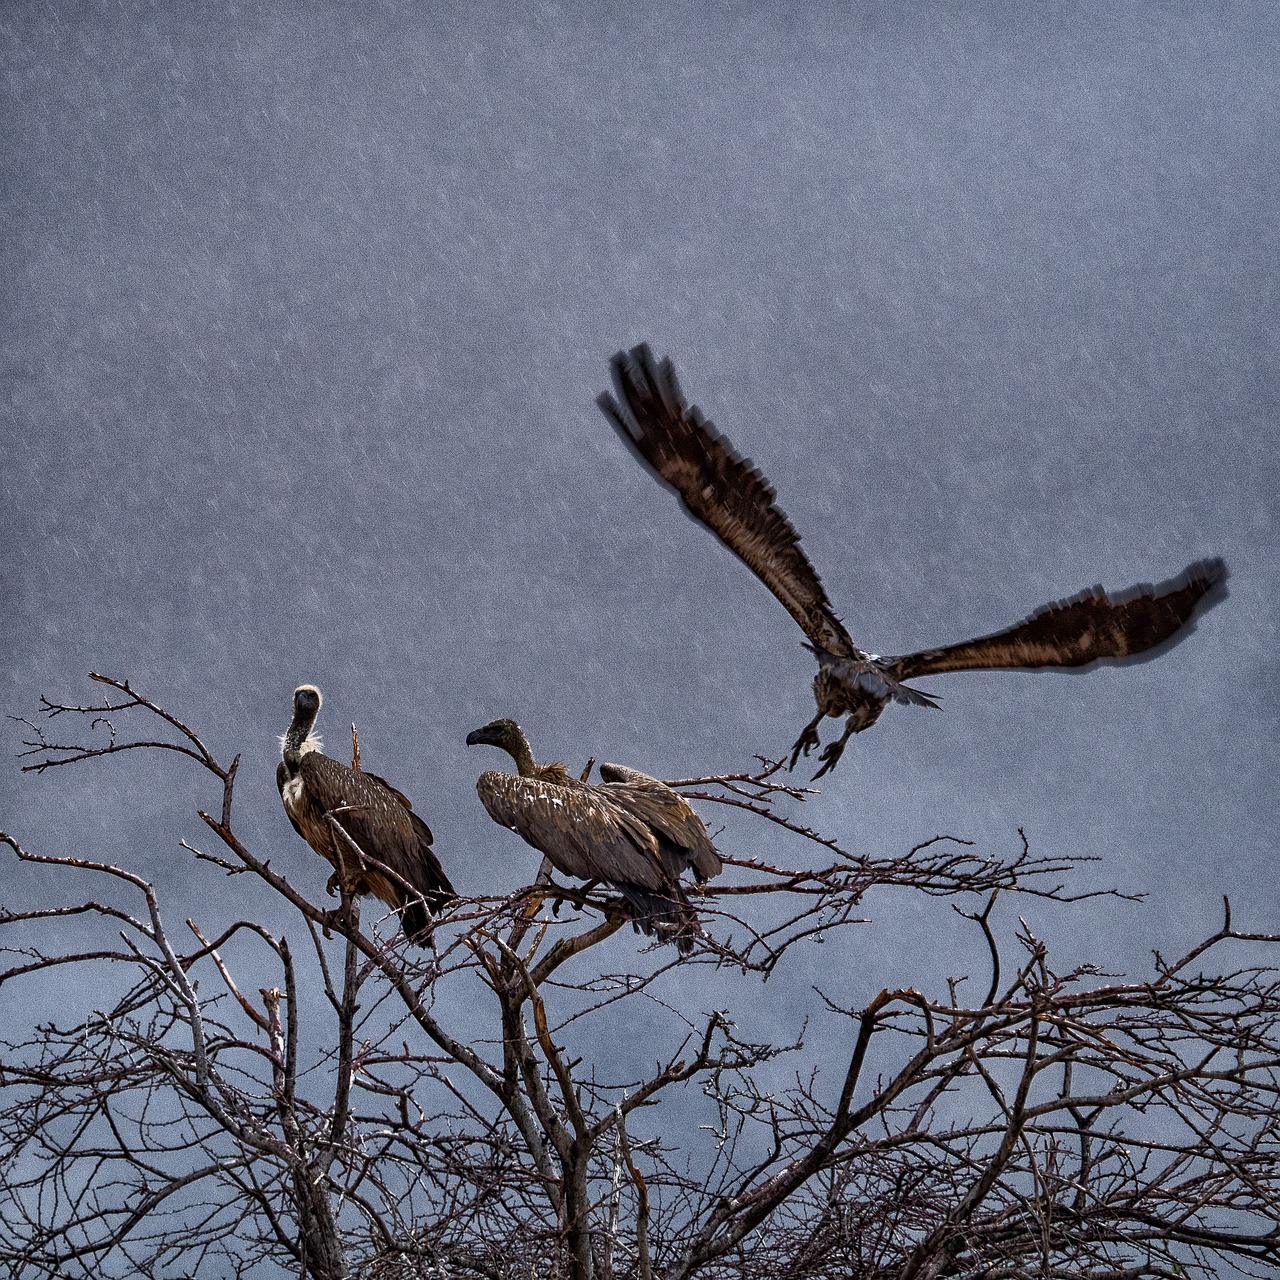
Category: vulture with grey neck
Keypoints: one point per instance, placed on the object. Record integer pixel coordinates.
(630, 831)
(724, 491)
(377, 818)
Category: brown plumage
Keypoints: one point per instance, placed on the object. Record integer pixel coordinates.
(377, 817)
(631, 831)
(724, 491)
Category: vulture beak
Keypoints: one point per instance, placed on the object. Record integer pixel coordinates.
(481, 737)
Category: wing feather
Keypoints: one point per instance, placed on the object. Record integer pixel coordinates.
(383, 825)
(668, 813)
(719, 488)
(397, 793)
(1131, 626)
(581, 828)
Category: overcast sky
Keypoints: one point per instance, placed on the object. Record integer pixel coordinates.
(306, 307)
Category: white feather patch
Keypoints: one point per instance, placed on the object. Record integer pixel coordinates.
(310, 743)
(291, 794)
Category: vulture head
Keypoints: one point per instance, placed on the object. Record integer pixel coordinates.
(306, 702)
(497, 733)
(510, 737)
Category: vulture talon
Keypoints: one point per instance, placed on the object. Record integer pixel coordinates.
(804, 744)
(830, 757)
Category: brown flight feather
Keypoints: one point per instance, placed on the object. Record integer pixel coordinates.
(719, 488)
(724, 491)
(1130, 626)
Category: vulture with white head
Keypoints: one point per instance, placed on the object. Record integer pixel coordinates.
(374, 814)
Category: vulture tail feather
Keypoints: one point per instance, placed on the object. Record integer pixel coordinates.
(415, 920)
(670, 919)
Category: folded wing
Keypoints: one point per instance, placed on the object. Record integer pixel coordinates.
(380, 820)
(667, 813)
(581, 828)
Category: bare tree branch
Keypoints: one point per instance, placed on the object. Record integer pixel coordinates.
(377, 1111)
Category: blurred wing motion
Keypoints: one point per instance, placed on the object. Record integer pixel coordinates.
(725, 492)
(1132, 626)
(719, 488)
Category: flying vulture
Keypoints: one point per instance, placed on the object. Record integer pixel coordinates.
(631, 831)
(724, 491)
(377, 817)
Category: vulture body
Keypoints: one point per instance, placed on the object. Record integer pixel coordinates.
(376, 816)
(724, 491)
(630, 831)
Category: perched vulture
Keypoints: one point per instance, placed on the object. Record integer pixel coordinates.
(372, 812)
(631, 831)
(725, 492)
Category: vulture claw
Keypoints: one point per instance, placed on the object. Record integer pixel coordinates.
(830, 757)
(804, 743)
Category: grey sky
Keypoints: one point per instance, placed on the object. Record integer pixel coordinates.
(304, 315)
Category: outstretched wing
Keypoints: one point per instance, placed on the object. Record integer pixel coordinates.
(579, 827)
(668, 813)
(719, 488)
(1134, 625)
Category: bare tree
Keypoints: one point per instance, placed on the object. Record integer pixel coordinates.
(211, 1116)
